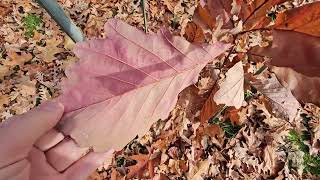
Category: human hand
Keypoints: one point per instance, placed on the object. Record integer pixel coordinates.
(31, 149)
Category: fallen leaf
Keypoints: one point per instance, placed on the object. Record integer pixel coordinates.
(194, 33)
(68, 43)
(221, 8)
(95, 176)
(231, 91)
(295, 50)
(4, 71)
(202, 169)
(283, 103)
(305, 19)
(127, 82)
(304, 88)
(16, 59)
(249, 7)
(47, 53)
(254, 13)
(4, 100)
(170, 4)
(5, 9)
(209, 12)
(232, 114)
(210, 108)
(140, 167)
(204, 17)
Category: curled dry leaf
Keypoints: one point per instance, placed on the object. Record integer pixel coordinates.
(305, 19)
(123, 84)
(231, 91)
(304, 88)
(283, 103)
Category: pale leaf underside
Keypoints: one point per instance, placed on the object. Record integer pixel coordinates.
(124, 83)
(231, 89)
(283, 103)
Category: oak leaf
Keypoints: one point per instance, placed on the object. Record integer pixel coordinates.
(123, 84)
(47, 53)
(283, 103)
(139, 168)
(305, 19)
(17, 59)
(231, 91)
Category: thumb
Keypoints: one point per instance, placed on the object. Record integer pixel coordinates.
(19, 133)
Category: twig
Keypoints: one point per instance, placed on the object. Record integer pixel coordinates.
(144, 15)
(260, 70)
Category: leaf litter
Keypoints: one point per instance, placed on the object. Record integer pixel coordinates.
(199, 139)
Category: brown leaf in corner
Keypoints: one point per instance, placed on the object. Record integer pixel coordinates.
(253, 13)
(298, 51)
(305, 19)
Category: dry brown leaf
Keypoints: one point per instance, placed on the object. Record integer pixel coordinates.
(203, 15)
(17, 59)
(283, 103)
(231, 91)
(306, 89)
(298, 51)
(114, 174)
(47, 53)
(202, 169)
(248, 7)
(209, 108)
(170, 4)
(194, 33)
(5, 8)
(140, 167)
(253, 13)
(68, 43)
(95, 176)
(207, 13)
(4, 100)
(305, 19)
(221, 8)
(232, 114)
